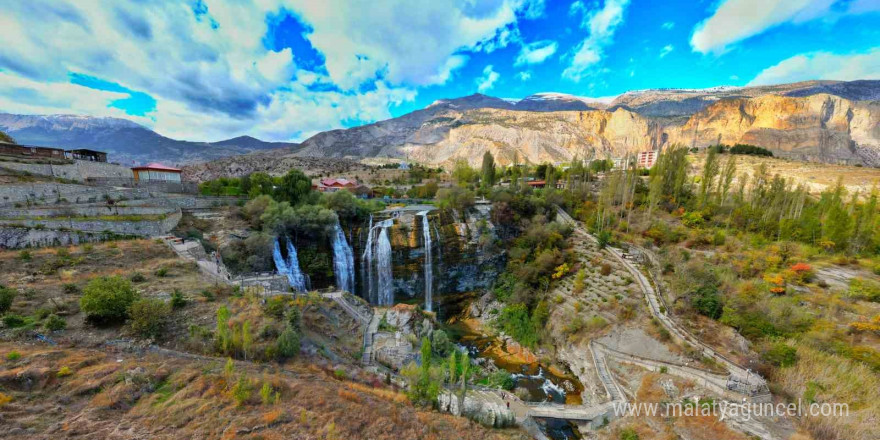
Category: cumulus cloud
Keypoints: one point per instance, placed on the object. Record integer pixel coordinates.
(536, 53)
(736, 20)
(212, 75)
(666, 50)
(22, 95)
(408, 42)
(668, 25)
(822, 65)
(600, 24)
(524, 75)
(487, 80)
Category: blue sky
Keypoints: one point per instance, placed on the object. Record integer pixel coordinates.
(286, 69)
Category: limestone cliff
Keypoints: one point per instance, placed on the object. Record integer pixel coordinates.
(823, 121)
(820, 127)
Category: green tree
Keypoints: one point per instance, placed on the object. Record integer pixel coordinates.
(260, 184)
(241, 392)
(441, 343)
(707, 180)
(7, 296)
(224, 338)
(424, 390)
(456, 198)
(107, 299)
(463, 173)
(487, 178)
(727, 175)
(288, 344)
(295, 187)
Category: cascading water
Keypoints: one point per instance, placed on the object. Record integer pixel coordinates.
(367, 263)
(383, 265)
(280, 264)
(343, 261)
(294, 274)
(429, 276)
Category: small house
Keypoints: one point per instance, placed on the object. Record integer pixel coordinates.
(156, 172)
(333, 185)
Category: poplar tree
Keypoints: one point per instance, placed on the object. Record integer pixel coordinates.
(710, 170)
(488, 170)
(727, 175)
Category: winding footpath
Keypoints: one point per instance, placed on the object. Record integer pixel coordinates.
(741, 380)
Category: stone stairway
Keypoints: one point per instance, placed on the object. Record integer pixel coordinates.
(369, 331)
(339, 298)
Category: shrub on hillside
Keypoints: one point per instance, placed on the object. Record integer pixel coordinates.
(148, 317)
(7, 295)
(781, 354)
(107, 299)
(864, 289)
(287, 346)
(14, 321)
(55, 323)
(177, 299)
(707, 302)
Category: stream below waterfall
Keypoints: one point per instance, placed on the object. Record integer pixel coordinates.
(534, 381)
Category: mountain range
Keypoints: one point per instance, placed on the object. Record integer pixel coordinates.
(824, 121)
(126, 142)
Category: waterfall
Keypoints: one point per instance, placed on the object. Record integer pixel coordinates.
(429, 276)
(383, 263)
(367, 263)
(343, 261)
(294, 274)
(280, 264)
(289, 267)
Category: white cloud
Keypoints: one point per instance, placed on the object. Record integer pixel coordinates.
(666, 50)
(736, 20)
(487, 81)
(23, 95)
(409, 42)
(536, 53)
(668, 25)
(524, 75)
(212, 76)
(822, 65)
(601, 24)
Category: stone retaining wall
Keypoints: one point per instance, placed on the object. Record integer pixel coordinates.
(143, 228)
(78, 170)
(51, 193)
(84, 211)
(19, 238)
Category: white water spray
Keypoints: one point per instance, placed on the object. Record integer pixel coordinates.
(429, 276)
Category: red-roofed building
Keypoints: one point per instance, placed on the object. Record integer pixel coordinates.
(333, 185)
(156, 172)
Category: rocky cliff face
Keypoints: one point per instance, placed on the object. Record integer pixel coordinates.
(822, 127)
(464, 256)
(818, 121)
(825, 121)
